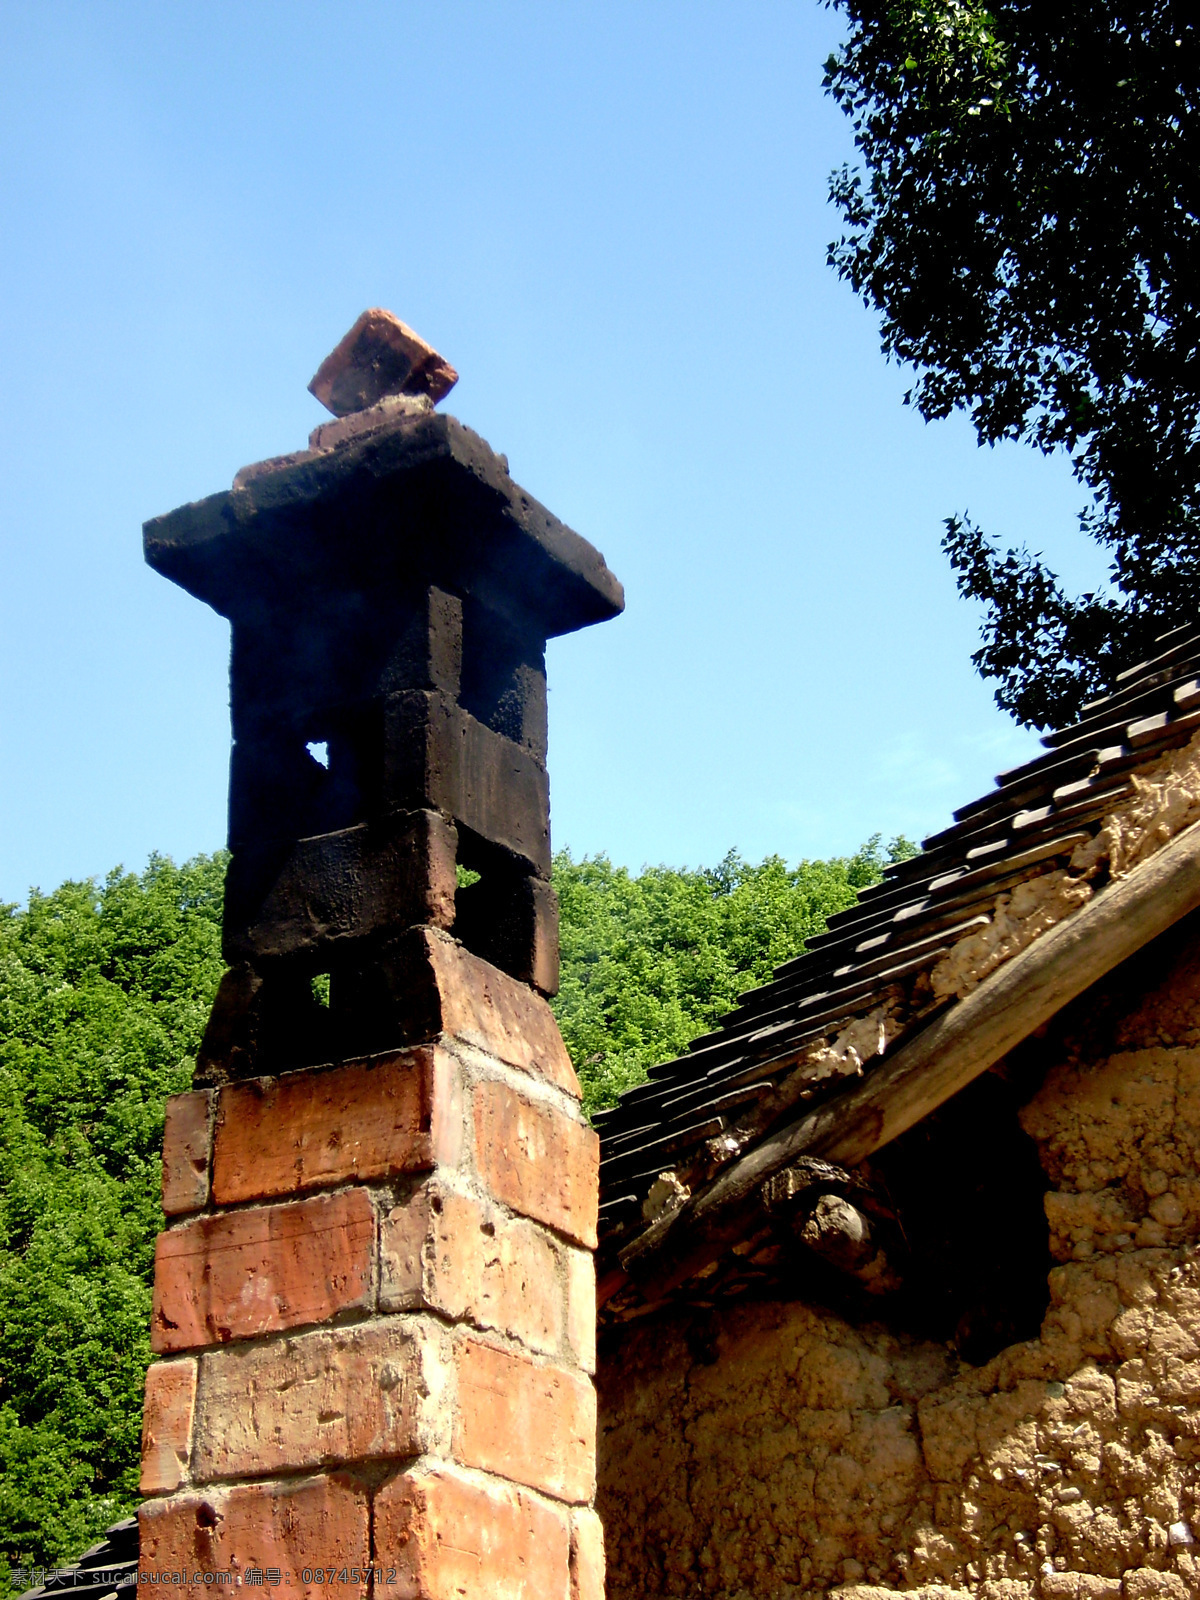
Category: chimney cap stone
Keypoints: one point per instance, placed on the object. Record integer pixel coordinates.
(380, 356)
(425, 499)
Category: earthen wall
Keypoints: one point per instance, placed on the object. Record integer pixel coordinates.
(775, 1449)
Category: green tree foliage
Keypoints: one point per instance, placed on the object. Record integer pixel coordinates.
(649, 962)
(104, 991)
(1026, 218)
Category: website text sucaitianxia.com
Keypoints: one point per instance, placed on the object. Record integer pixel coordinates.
(274, 1577)
(253, 1577)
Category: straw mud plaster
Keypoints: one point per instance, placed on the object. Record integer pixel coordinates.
(788, 1451)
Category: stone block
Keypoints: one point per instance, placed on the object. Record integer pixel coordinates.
(355, 1393)
(504, 676)
(259, 1271)
(379, 356)
(261, 469)
(322, 892)
(511, 920)
(456, 1255)
(167, 1414)
(266, 1024)
(231, 1043)
(436, 754)
(535, 1424)
(450, 1537)
(187, 1146)
(276, 790)
(497, 1013)
(316, 1526)
(581, 1307)
(428, 654)
(392, 411)
(280, 544)
(308, 1130)
(587, 1556)
(438, 987)
(538, 1160)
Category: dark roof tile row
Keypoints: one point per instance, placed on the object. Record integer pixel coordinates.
(109, 1568)
(1034, 818)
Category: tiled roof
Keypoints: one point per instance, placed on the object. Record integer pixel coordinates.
(107, 1569)
(702, 1110)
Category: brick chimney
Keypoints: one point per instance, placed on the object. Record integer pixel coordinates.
(374, 1298)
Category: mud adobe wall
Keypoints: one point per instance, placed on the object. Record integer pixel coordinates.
(783, 1449)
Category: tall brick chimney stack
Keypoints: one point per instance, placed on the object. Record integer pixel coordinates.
(374, 1298)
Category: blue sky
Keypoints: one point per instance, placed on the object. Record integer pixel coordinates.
(613, 220)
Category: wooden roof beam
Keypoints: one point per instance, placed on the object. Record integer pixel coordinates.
(923, 1073)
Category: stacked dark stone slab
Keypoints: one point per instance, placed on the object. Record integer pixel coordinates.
(1030, 822)
(390, 602)
(108, 1569)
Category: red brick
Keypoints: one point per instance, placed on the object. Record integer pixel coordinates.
(581, 1307)
(187, 1145)
(538, 1160)
(317, 1399)
(310, 1523)
(310, 1130)
(460, 1256)
(167, 1425)
(485, 1007)
(587, 1556)
(533, 1424)
(447, 1537)
(218, 1278)
(380, 355)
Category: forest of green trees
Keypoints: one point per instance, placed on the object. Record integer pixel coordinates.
(104, 991)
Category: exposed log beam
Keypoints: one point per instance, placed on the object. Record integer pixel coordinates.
(947, 1055)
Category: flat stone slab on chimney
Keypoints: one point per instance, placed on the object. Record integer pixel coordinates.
(356, 510)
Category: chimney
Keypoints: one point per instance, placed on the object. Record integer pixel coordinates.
(374, 1298)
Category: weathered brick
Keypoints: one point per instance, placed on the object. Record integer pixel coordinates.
(581, 1307)
(533, 1424)
(308, 1524)
(437, 754)
(337, 1395)
(167, 1425)
(538, 1160)
(308, 1130)
(187, 1146)
(485, 1007)
(587, 1556)
(464, 1258)
(251, 1272)
(448, 1537)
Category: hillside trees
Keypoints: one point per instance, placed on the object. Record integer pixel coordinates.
(104, 991)
(1026, 219)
